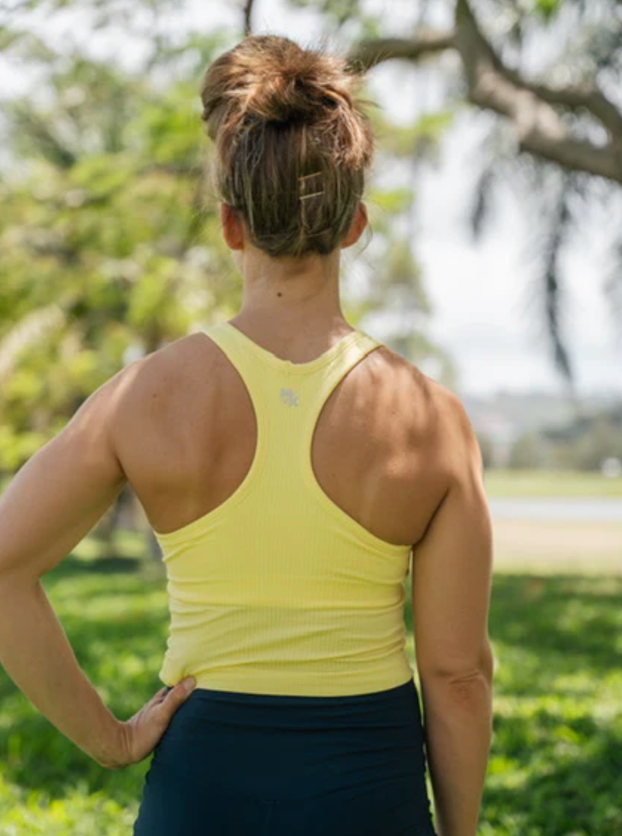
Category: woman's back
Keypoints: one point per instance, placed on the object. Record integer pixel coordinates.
(285, 585)
(187, 435)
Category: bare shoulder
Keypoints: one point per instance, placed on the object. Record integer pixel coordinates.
(150, 389)
(393, 371)
(455, 419)
(434, 409)
(159, 374)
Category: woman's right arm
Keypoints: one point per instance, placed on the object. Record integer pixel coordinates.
(451, 585)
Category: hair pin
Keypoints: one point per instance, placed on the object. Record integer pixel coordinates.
(305, 177)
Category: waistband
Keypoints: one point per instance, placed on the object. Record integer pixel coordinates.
(243, 698)
(395, 707)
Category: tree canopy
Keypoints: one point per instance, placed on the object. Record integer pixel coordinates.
(110, 243)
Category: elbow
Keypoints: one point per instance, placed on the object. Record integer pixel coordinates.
(464, 686)
(466, 677)
(488, 663)
(471, 697)
(484, 669)
(467, 696)
(474, 688)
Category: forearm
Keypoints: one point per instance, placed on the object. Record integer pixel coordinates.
(458, 732)
(36, 654)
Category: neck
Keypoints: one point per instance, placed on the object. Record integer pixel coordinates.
(291, 301)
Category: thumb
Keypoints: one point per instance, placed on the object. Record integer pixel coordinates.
(180, 692)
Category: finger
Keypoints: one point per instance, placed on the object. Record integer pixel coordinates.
(179, 693)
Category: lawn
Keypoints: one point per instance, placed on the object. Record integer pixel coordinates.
(556, 760)
(542, 483)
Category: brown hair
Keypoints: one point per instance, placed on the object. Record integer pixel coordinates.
(292, 142)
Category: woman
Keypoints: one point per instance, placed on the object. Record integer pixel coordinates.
(289, 465)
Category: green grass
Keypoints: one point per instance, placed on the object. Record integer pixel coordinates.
(542, 483)
(556, 759)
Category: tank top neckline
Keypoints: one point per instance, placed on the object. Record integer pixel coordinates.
(280, 363)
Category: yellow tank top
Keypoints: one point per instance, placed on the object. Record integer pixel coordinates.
(278, 590)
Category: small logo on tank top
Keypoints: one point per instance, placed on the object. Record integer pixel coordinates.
(289, 396)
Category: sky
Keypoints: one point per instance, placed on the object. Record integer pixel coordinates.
(483, 294)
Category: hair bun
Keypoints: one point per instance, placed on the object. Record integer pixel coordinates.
(292, 90)
(271, 79)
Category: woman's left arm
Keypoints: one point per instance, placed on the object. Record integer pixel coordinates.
(52, 502)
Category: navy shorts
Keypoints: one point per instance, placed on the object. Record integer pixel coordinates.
(236, 764)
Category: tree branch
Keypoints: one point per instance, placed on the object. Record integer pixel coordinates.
(373, 51)
(577, 96)
(540, 129)
(491, 85)
(248, 11)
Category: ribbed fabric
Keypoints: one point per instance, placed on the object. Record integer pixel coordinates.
(277, 590)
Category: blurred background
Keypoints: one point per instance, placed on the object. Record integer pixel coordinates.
(495, 265)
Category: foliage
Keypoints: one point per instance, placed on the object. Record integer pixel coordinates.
(110, 238)
(99, 231)
(351, 19)
(580, 444)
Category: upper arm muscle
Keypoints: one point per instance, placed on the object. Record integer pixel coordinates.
(452, 566)
(59, 494)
